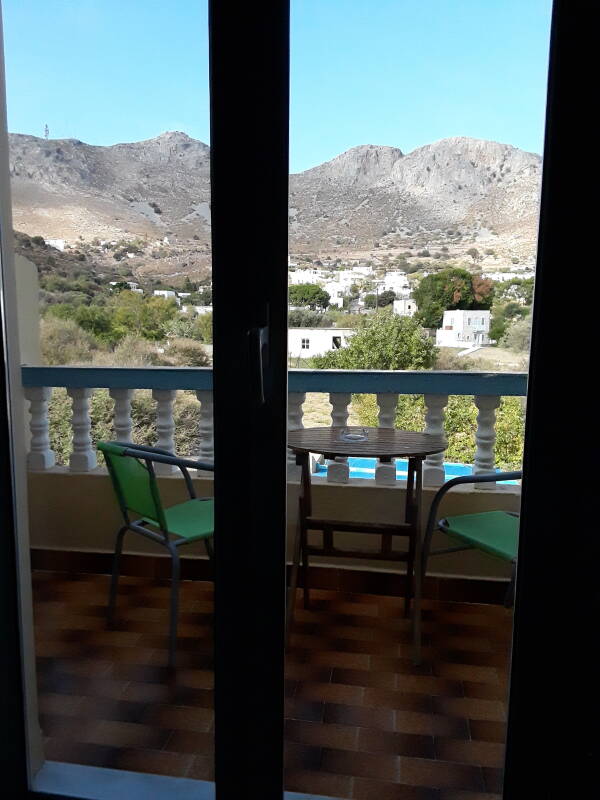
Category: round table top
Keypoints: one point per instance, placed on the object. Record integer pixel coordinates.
(381, 442)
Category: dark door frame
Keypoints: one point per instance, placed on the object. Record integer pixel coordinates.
(249, 68)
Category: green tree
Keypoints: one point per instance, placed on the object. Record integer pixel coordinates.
(387, 341)
(518, 336)
(308, 294)
(97, 321)
(205, 327)
(449, 289)
(503, 315)
(188, 286)
(386, 298)
(148, 316)
(370, 301)
(301, 318)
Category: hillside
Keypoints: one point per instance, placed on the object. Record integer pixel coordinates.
(453, 192)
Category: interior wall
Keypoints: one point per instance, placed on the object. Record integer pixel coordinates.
(78, 511)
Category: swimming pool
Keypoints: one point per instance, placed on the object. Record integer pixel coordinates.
(365, 468)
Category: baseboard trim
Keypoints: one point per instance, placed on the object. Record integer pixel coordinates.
(343, 579)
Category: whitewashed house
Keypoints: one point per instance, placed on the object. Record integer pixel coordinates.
(405, 307)
(168, 294)
(58, 244)
(316, 276)
(463, 329)
(308, 342)
(336, 293)
(396, 282)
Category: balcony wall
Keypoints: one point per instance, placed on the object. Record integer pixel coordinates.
(72, 508)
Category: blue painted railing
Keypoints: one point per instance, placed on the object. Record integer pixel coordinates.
(299, 380)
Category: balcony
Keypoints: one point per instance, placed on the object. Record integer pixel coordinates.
(361, 720)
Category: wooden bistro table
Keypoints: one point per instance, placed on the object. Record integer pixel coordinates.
(381, 443)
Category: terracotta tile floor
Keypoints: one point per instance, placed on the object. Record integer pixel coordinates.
(361, 720)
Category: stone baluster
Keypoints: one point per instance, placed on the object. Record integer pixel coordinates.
(433, 467)
(165, 426)
(485, 437)
(122, 422)
(295, 413)
(339, 408)
(83, 457)
(207, 448)
(40, 455)
(338, 471)
(385, 473)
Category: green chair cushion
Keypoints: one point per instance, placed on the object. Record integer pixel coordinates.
(495, 532)
(194, 519)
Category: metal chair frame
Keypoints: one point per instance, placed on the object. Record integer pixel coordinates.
(442, 525)
(149, 455)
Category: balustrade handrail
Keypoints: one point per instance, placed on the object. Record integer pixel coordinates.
(299, 380)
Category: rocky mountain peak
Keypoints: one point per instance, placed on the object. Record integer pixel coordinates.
(363, 165)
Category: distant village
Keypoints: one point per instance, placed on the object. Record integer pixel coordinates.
(352, 286)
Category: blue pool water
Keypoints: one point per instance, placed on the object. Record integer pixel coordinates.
(365, 468)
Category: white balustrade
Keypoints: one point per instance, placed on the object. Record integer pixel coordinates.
(385, 472)
(165, 426)
(83, 457)
(338, 470)
(122, 422)
(433, 467)
(339, 408)
(40, 455)
(485, 437)
(207, 447)
(387, 403)
(295, 413)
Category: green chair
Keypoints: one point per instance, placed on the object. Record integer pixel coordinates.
(131, 468)
(493, 532)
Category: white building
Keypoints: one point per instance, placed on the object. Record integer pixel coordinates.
(168, 294)
(336, 293)
(316, 276)
(502, 276)
(58, 244)
(396, 282)
(405, 307)
(463, 328)
(308, 342)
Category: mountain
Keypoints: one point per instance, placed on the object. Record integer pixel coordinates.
(368, 197)
(371, 194)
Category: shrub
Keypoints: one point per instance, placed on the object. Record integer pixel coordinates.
(518, 336)
(62, 341)
(186, 415)
(387, 341)
(460, 425)
(186, 353)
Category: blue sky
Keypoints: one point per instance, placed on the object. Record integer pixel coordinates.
(388, 72)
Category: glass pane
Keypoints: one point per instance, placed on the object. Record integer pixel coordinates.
(416, 141)
(108, 110)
